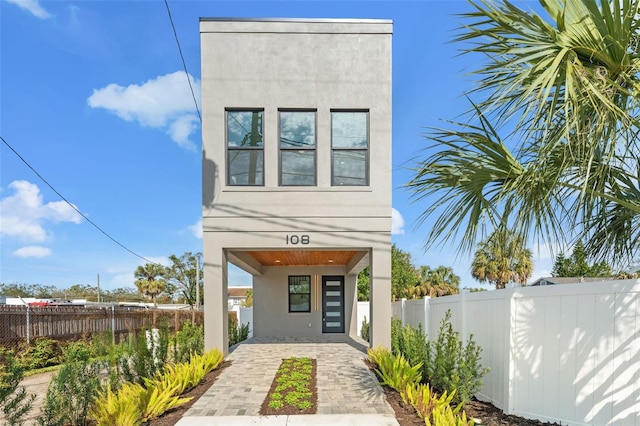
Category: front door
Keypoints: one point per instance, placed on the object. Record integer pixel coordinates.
(333, 304)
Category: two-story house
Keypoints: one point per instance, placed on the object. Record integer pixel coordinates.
(296, 172)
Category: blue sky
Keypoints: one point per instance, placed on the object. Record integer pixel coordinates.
(94, 97)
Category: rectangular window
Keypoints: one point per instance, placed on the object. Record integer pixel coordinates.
(297, 148)
(299, 293)
(350, 148)
(245, 148)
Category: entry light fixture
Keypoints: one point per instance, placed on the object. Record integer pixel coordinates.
(277, 260)
(330, 260)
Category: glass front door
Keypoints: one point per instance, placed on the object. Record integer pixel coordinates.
(333, 304)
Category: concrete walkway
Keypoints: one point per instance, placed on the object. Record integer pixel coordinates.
(348, 393)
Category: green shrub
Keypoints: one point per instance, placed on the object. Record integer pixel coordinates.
(43, 352)
(447, 365)
(71, 391)
(364, 330)
(14, 400)
(451, 367)
(188, 341)
(144, 356)
(237, 333)
(396, 372)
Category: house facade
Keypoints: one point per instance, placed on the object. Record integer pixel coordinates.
(296, 168)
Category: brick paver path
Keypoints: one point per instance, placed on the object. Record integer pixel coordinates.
(345, 384)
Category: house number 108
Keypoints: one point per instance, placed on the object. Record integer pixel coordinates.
(297, 239)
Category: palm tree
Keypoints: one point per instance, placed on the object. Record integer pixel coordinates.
(150, 281)
(501, 259)
(551, 143)
(440, 281)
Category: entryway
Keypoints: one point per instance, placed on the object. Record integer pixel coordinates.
(333, 304)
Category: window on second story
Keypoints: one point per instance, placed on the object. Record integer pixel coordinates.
(297, 148)
(245, 148)
(350, 148)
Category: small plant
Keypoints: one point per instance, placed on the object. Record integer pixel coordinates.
(237, 333)
(43, 352)
(14, 400)
(134, 404)
(292, 388)
(447, 365)
(145, 356)
(395, 371)
(71, 391)
(188, 341)
(364, 330)
(451, 367)
(117, 408)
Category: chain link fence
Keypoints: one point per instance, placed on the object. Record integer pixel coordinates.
(24, 324)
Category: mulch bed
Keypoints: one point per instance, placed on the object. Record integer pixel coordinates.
(483, 412)
(287, 409)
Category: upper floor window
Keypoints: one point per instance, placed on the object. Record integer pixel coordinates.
(350, 148)
(297, 148)
(245, 147)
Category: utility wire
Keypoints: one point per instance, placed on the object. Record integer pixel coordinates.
(184, 64)
(74, 207)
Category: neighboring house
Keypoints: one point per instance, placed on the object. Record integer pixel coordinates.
(236, 296)
(568, 280)
(296, 135)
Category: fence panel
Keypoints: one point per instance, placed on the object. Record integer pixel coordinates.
(565, 353)
(19, 324)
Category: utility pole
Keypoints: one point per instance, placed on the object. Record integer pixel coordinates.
(98, 288)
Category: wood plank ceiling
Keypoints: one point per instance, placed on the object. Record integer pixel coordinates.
(302, 258)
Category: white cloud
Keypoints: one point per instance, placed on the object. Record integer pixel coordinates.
(33, 7)
(397, 223)
(196, 229)
(32, 251)
(164, 103)
(181, 129)
(22, 215)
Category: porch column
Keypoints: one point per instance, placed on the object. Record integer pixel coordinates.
(216, 317)
(380, 291)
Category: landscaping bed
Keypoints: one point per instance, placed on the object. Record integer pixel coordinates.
(293, 390)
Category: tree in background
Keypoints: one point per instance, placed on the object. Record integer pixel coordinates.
(150, 280)
(182, 275)
(577, 265)
(440, 281)
(502, 258)
(363, 285)
(552, 140)
(407, 281)
(248, 302)
(404, 276)
(24, 290)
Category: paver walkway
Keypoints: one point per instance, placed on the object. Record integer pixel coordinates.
(345, 384)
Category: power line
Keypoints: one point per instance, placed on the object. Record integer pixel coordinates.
(74, 207)
(184, 64)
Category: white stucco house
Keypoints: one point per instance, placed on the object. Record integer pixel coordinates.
(296, 172)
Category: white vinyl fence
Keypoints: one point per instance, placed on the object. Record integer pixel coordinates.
(565, 353)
